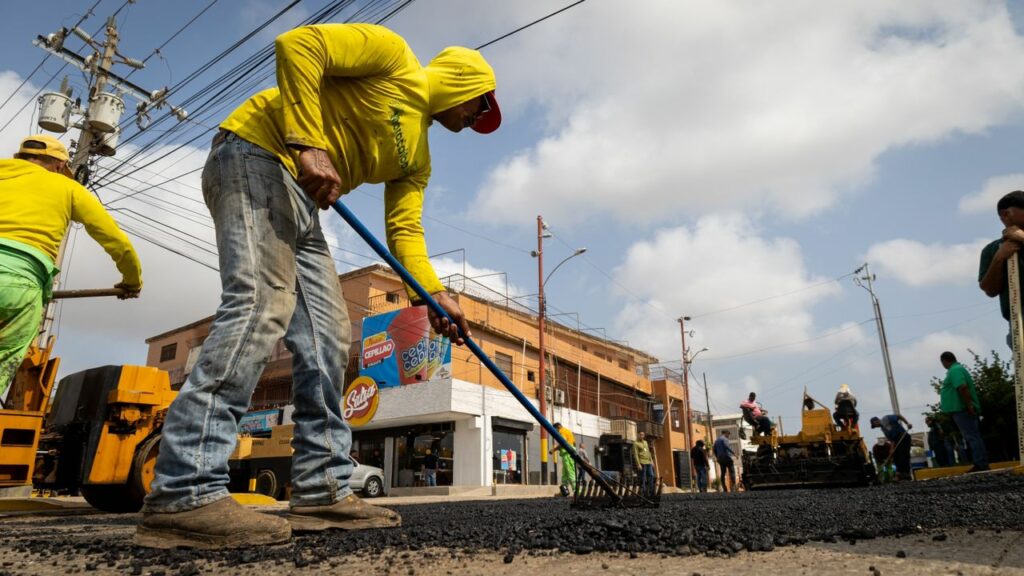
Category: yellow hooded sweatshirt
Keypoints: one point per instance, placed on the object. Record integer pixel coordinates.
(36, 207)
(358, 92)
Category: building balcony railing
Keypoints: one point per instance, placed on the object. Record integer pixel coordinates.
(387, 302)
(649, 428)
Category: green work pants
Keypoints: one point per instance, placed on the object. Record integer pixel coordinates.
(21, 312)
(568, 470)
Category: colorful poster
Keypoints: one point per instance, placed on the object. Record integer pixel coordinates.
(400, 348)
(261, 421)
(504, 459)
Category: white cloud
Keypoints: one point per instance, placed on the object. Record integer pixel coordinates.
(917, 264)
(922, 355)
(722, 263)
(992, 190)
(484, 282)
(674, 106)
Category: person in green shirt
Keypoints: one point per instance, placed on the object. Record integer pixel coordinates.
(992, 273)
(958, 397)
(644, 463)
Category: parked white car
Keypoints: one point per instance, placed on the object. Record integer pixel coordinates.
(368, 479)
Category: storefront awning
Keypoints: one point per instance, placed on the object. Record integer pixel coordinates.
(499, 422)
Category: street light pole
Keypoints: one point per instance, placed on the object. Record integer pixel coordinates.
(869, 279)
(542, 233)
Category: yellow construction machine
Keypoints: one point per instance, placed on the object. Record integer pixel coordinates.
(102, 435)
(822, 454)
(99, 437)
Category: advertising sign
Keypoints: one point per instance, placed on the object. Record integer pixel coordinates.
(359, 405)
(261, 421)
(400, 348)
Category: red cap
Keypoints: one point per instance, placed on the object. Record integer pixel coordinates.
(489, 120)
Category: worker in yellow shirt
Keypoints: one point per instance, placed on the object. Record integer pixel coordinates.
(352, 105)
(38, 201)
(567, 485)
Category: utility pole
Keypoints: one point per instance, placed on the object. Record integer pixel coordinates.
(707, 402)
(686, 395)
(867, 282)
(540, 348)
(98, 126)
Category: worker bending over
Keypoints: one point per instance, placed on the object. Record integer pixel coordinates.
(352, 105)
(38, 201)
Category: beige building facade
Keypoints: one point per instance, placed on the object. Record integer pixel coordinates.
(478, 430)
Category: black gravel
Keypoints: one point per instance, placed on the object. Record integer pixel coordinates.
(684, 525)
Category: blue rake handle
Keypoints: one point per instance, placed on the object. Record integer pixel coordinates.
(383, 252)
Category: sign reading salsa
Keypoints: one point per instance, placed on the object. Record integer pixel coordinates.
(400, 348)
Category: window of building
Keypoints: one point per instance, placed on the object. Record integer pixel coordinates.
(623, 364)
(168, 352)
(504, 362)
(530, 377)
(392, 297)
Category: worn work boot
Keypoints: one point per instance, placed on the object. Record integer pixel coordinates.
(222, 524)
(350, 513)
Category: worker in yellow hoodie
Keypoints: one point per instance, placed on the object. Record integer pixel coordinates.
(352, 105)
(38, 201)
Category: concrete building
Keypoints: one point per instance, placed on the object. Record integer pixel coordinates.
(480, 432)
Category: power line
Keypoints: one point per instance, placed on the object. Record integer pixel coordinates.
(537, 21)
(24, 81)
(157, 50)
(773, 297)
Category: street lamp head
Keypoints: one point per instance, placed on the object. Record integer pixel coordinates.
(579, 251)
(534, 253)
(686, 318)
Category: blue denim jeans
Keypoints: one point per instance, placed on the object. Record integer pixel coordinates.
(727, 467)
(647, 481)
(431, 477)
(971, 431)
(702, 479)
(278, 280)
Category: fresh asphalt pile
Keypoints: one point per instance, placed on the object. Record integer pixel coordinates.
(711, 524)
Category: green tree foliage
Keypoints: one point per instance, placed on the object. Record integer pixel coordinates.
(993, 378)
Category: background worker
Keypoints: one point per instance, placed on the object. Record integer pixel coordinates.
(937, 443)
(724, 455)
(644, 463)
(881, 452)
(846, 408)
(568, 484)
(582, 451)
(992, 271)
(900, 437)
(700, 465)
(430, 468)
(761, 422)
(352, 105)
(38, 201)
(958, 397)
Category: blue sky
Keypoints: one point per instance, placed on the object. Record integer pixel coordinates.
(710, 156)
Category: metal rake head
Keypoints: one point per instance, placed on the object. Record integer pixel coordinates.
(590, 494)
